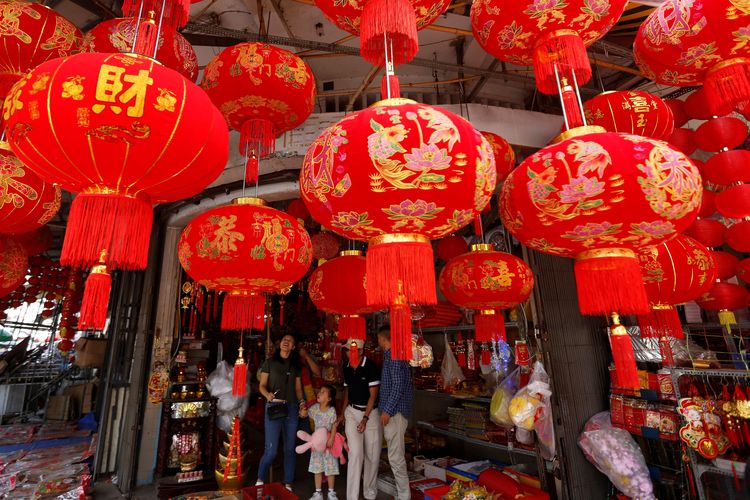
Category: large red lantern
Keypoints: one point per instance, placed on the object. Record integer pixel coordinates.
(339, 286)
(487, 281)
(720, 134)
(505, 157)
(26, 201)
(263, 91)
(551, 35)
(738, 236)
(728, 167)
(725, 264)
(398, 174)
(245, 249)
(31, 35)
(724, 298)
(685, 43)
(13, 265)
(708, 232)
(698, 107)
(734, 201)
(630, 112)
(117, 35)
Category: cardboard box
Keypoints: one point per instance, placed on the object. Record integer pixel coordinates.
(83, 397)
(470, 471)
(58, 408)
(437, 468)
(90, 352)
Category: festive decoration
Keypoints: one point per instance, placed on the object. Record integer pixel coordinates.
(734, 202)
(411, 173)
(35, 242)
(245, 249)
(26, 201)
(552, 36)
(679, 115)
(32, 34)
(684, 140)
(684, 43)
(169, 14)
(720, 134)
(486, 281)
(630, 112)
(728, 167)
(725, 264)
(298, 210)
(505, 157)
(738, 236)
(708, 232)
(263, 92)
(698, 107)
(450, 247)
(96, 297)
(597, 197)
(325, 245)
(339, 287)
(117, 35)
(123, 132)
(708, 203)
(13, 265)
(724, 298)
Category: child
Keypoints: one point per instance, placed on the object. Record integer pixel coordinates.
(323, 414)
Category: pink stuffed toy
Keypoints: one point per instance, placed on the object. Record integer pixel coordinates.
(339, 445)
(316, 441)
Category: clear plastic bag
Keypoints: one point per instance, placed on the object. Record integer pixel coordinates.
(451, 371)
(220, 380)
(528, 399)
(616, 454)
(501, 397)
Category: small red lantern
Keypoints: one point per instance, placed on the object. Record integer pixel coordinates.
(263, 91)
(325, 245)
(743, 270)
(551, 36)
(734, 201)
(117, 35)
(13, 265)
(719, 134)
(35, 242)
(698, 107)
(65, 346)
(398, 174)
(684, 140)
(26, 201)
(725, 263)
(728, 167)
(708, 203)
(339, 287)
(678, 111)
(245, 249)
(450, 247)
(738, 236)
(487, 281)
(505, 157)
(708, 232)
(630, 112)
(724, 298)
(299, 211)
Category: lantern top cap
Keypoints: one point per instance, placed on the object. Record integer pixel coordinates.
(598, 253)
(482, 247)
(578, 131)
(487, 312)
(394, 101)
(399, 238)
(349, 253)
(5, 146)
(247, 200)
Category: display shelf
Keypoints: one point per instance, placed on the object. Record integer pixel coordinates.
(497, 446)
(458, 328)
(460, 397)
(710, 372)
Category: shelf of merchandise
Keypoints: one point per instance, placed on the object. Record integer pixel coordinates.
(460, 397)
(458, 328)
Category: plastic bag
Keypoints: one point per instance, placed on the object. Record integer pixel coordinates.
(528, 399)
(501, 398)
(220, 380)
(451, 371)
(616, 454)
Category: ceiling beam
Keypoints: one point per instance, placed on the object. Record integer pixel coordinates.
(97, 7)
(482, 80)
(365, 83)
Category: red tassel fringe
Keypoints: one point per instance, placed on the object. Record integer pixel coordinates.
(607, 284)
(352, 327)
(567, 51)
(257, 140)
(397, 19)
(239, 381)
(486, 358)
(661, 322)
(119, 224)
(243, 312)
(478, 225)
(728, 85)
(572, 109)
(488, 327)
(665, 348)
(234, 452)
(353, 355)
(95, 301)
(401, 332)
(176, 12)
(409, 264)
(624, 357)
(395, 87)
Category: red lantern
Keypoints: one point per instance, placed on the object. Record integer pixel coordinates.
(65, 346)
(325, 245)
(552, 36)
(725, 263)
(684, 140)
(26, 201)
(630, 112)
(734, 202)
(708, 204)
(743, 270)
(171, 14)
(450, 247)
(398, 174)
(298, 210)
(245, 249)
(738, 236)
(678, 111)
(698, 107)
(708, 232)
(505, 157)
(116, 35)
(728, 167)
(486, 281)
(263, 92)
(13, 265)
(683, 42)
(35, 242)
(724, 298)
(31, 35)
(719, 134)
(339, 287)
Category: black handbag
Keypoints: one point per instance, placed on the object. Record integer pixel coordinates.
(277, 411)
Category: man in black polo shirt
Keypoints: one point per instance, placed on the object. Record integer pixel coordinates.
(362, 423)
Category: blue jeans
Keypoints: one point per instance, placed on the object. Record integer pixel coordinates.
(286, 428)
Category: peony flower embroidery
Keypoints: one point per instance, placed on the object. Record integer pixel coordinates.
(419, 209)
(655, 229)
(580, 189)
(427, 157)
(348, 221)
(592, 230)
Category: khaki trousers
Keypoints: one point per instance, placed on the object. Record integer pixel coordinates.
(394, 435)
(364, 451)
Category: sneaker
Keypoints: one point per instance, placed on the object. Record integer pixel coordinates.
(289, 489)
(259, 483)
(332, 495)
(318, 495)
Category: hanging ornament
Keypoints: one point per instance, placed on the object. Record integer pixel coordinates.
(630, 112)
(505, 157)
(679, 115)
(486, 281)
(738, 236)
(168, 15)
(551, 36)
(708, 232)
(118, 35)
(725, 264)
(35, 242)
(724, 298)
(698, 107)
(720, 134)
(13, 265)
(298, 210)
(728, 167)
(325, 245)
(263, 92)
(398, 174)
(450, 247)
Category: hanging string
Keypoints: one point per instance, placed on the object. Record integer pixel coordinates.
(158, 29)
(562, 101)
(578, 96)
(137, 24)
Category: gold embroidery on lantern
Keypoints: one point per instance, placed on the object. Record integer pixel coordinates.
(165, 101)
(62, 39)
(249, 59)
(72, 88)
(111, 89)
(40, 84)
(10, 12)
(11, 170)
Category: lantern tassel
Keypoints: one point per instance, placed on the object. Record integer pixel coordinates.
(397, 20)
(400, 264)
(353, 355)
(610, 280)
(665, 347)
(570, 105)
(478, 225)
(623, 355)
(727, 319)
(146, 40)
(728, 83)
(489, 325)
(352, 327)
(661, 321)
(176, 12)
(243, 312)
(395, 86)
(257, 140)
(119, 224)
(566, 50)
(239, 381)
(486, 358)
(96, 297)
(401, 331)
